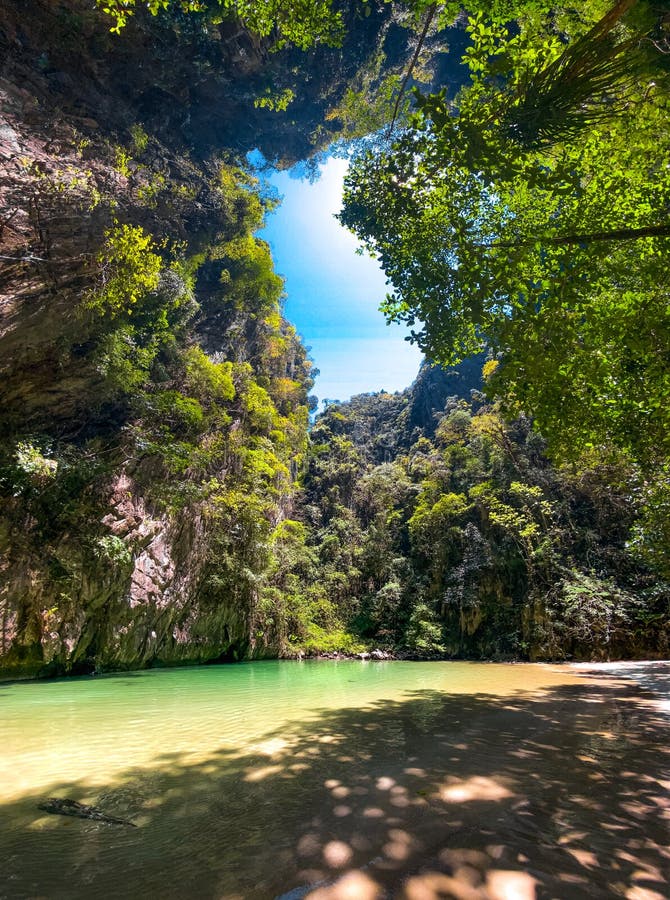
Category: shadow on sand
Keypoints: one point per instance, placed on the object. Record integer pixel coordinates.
(552, 795)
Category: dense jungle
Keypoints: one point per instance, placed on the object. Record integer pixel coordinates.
(171, 491)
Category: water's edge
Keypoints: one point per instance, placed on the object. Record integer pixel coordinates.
(376, 655)
(277, 778)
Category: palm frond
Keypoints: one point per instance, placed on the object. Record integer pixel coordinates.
(590, 82)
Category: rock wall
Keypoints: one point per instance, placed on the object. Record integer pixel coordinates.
(442, 529)
(149, 440)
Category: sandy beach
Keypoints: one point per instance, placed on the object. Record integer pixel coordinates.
(562, 795)
(470, 781)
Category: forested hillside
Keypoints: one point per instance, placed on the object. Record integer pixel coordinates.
(458, 536)
(163, 498)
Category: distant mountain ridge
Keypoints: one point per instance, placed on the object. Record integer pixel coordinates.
(382, 425)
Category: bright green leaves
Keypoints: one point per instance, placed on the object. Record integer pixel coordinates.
(534, 91)
(129, 269)
(542, 236)
(277, 101)
(136, 307)
(183, 415)
(430, 519)
(424, 633)
(524, 514)
(259, 408)
(206, 379)
(303, 23)
(248, 273)
(121, 10)
(34, 465)
(408, 226)
(365, 111)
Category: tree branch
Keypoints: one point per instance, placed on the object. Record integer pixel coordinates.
(429, 18)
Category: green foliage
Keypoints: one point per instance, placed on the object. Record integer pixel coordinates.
(248, 273)
(134, 323)
(140, 138)
(183, 415)
(585, 609)
(424, 632)
(37, 467)
(46, 488)
(462, 547)
(258, 406)
(241, 201)
(211, 445)
(541, 235)
(366, 110)
(129, 269)
(319, 640)
(122, 160)
(651, 534)
(113, 549)
(277, 101)
(208, 380)
(431, 519)
(305, 23)
(454, 426)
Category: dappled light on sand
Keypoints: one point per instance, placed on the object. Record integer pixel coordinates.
(499, 885)
(423, 795)
(476, 788)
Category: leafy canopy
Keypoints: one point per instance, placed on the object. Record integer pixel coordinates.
(302, 22)
(540, 231)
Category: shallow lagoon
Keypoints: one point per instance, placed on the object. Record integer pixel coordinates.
(260, 779)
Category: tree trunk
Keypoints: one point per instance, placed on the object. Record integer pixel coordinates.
(616, 234)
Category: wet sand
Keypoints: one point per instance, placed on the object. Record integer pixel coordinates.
(564, 795)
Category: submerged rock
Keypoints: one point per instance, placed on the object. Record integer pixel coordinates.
(60, 806)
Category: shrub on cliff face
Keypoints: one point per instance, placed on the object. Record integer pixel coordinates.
(38, 468)
(138, 308)
(122, 361)
(248, 273)
(183, 415)
(303, 23)
(584, 610)
(207, 380)
(129, 269)
(458, 546)
(114, 550)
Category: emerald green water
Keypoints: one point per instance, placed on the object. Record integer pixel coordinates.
(244, 780)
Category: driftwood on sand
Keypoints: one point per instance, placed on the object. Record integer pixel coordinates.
(63, 807)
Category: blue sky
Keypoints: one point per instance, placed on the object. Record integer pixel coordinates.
(334, 294)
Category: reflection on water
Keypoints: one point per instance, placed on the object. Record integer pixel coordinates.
(262, 779)
(93, 728)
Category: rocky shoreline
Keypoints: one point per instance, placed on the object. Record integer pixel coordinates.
(621, 668)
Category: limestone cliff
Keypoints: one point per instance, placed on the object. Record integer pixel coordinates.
(153, 401)
(440, 528)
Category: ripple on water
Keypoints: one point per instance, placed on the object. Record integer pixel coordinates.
(245, 781)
